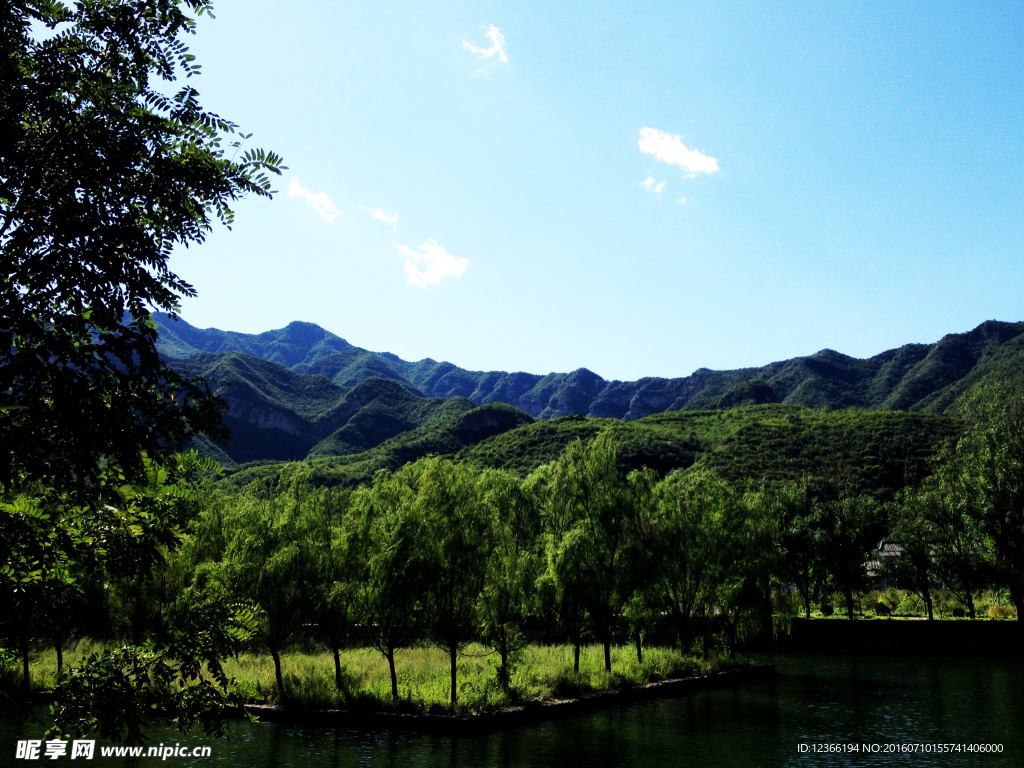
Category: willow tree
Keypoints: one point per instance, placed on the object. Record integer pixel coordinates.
(268, 566)
(511, 569)
(913, 527)
(336, 552)
(695, 514)
(989, 461)
(391, 533)
(601, 551)
(456, 553)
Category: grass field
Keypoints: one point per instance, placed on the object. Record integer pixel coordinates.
(541, 673)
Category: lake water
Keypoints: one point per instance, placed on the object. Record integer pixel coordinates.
(813, 700)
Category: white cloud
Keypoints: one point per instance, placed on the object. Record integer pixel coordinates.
(431, 263)
(318, 201)
(388, 217)
(670, 149)
(682, 200)
(653, 186)
(497, 46)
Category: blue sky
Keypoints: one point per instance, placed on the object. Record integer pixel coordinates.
(816, 175)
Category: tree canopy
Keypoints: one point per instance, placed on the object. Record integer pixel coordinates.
(104, 169)
(107, 163)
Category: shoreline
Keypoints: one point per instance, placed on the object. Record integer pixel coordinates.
(508, 717)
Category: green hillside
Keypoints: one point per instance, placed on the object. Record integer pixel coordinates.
(874, 452)
(301, 392)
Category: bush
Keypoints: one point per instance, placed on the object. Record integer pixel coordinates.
(910, 605)
(827, 610)
(1000, 611)
(10, 667)
(882, 609)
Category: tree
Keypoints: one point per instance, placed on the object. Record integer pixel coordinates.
(601, 553)
(914, 529)
(391, 532)
(748, 563)
(512, 566)
(334, 567)
(846, 539)
(694, 516)
(268, 567)
(989, 462)
(798, 538)
(455, 552)
(101, 176)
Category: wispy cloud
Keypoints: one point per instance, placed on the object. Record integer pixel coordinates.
(388, 217)
(670, 149)
(497, 48)
(431, 263)
(653, 186)
(318, 201)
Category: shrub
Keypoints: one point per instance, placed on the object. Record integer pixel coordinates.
(1000, 611)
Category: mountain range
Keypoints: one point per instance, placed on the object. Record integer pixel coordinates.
(303, 392)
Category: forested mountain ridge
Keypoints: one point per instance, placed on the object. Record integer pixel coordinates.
(277, 414)
(925, 377)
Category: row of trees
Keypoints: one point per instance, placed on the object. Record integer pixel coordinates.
(961, 528)
(440, 550)
(437, 549)
(577, 549)
(964, 527)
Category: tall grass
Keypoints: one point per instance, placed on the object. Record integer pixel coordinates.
(543, 673)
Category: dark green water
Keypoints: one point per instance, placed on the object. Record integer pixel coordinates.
(813, 700)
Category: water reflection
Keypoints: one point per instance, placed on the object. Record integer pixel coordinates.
(813, 699)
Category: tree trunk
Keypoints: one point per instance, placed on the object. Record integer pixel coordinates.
(337, 668)
(807, 604)
(276, 656)
(25, 679)
(849, 602)
(639, 649)
(928, 603)
(453, 655)
(575, 658)
(970, 604)
(60, 659)
(390, 656)
(503, 675)
(607, 654)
